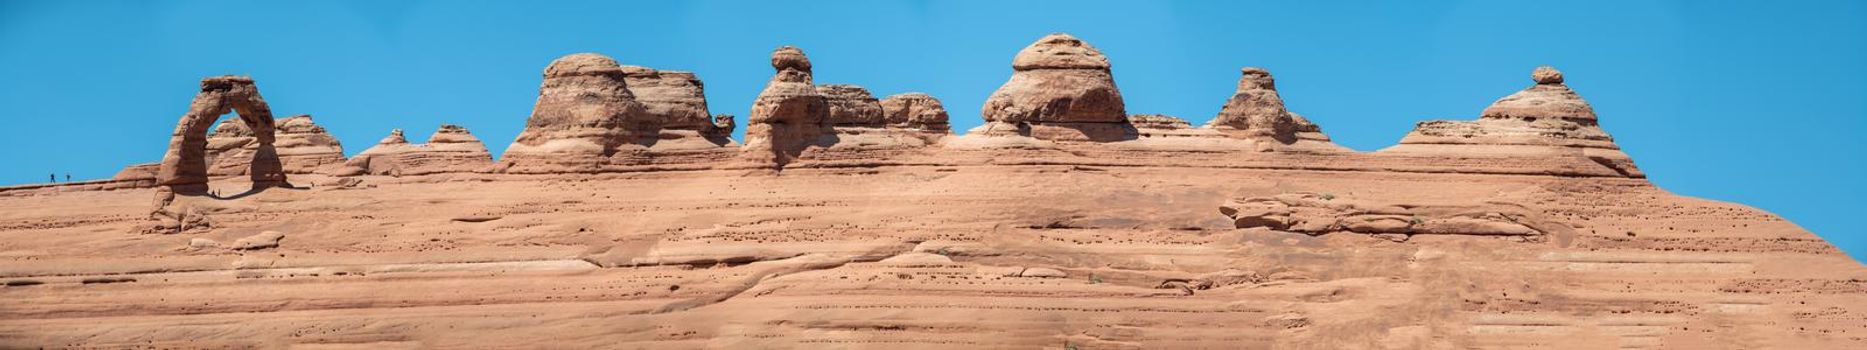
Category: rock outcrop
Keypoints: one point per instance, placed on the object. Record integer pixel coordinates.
(452, 149)
(789, 115)
(1319, 214)
(676, 105)
(584, 114)
(915, 110)
(303, 146)
(1546, 120)
(1158, 122)
(1060, 89)
(1257, 112)
(852, 105)
(184, 167)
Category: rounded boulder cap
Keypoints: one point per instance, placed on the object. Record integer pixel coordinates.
(1059, 51)
(1256, 78)
(582, 64)
(1546, 75)
(790, 57)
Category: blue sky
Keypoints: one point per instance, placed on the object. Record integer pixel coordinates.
(1761, 103)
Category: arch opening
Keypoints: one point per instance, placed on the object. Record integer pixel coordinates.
(184, 167)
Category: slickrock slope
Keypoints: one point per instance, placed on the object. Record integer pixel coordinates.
(452, 149)
(1522, 235)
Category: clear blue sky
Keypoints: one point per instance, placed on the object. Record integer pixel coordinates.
(1756, 102)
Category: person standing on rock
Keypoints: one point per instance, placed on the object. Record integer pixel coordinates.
(52, 178)
(67, 177)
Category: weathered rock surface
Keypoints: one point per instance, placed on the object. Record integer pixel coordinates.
(1058, 82)
(1546, 120)
(452, 149)
(915, 110)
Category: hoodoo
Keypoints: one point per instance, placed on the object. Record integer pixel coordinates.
(1546, 120)
(1257, 112)
(1060, 89)
(789, 115)
(184, 167)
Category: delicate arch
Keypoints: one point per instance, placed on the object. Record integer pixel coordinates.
(184, 167)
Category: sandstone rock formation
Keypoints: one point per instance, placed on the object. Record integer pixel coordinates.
(790, 114)
(1158, 122)
(585, 113)
(302, 145)
(452, 149)
(915, 110)
(852, 105)
(1546, 120)
(1256, 111)
(1509, 232)
(1321, 213)
(1060, 88)
(184, 166)
(676, 104)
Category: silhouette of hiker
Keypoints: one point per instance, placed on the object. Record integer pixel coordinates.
(51, 178)
(67, 177)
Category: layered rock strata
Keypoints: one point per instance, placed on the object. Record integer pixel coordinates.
(452, 149)
(1546, 120)
(1060, 89)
